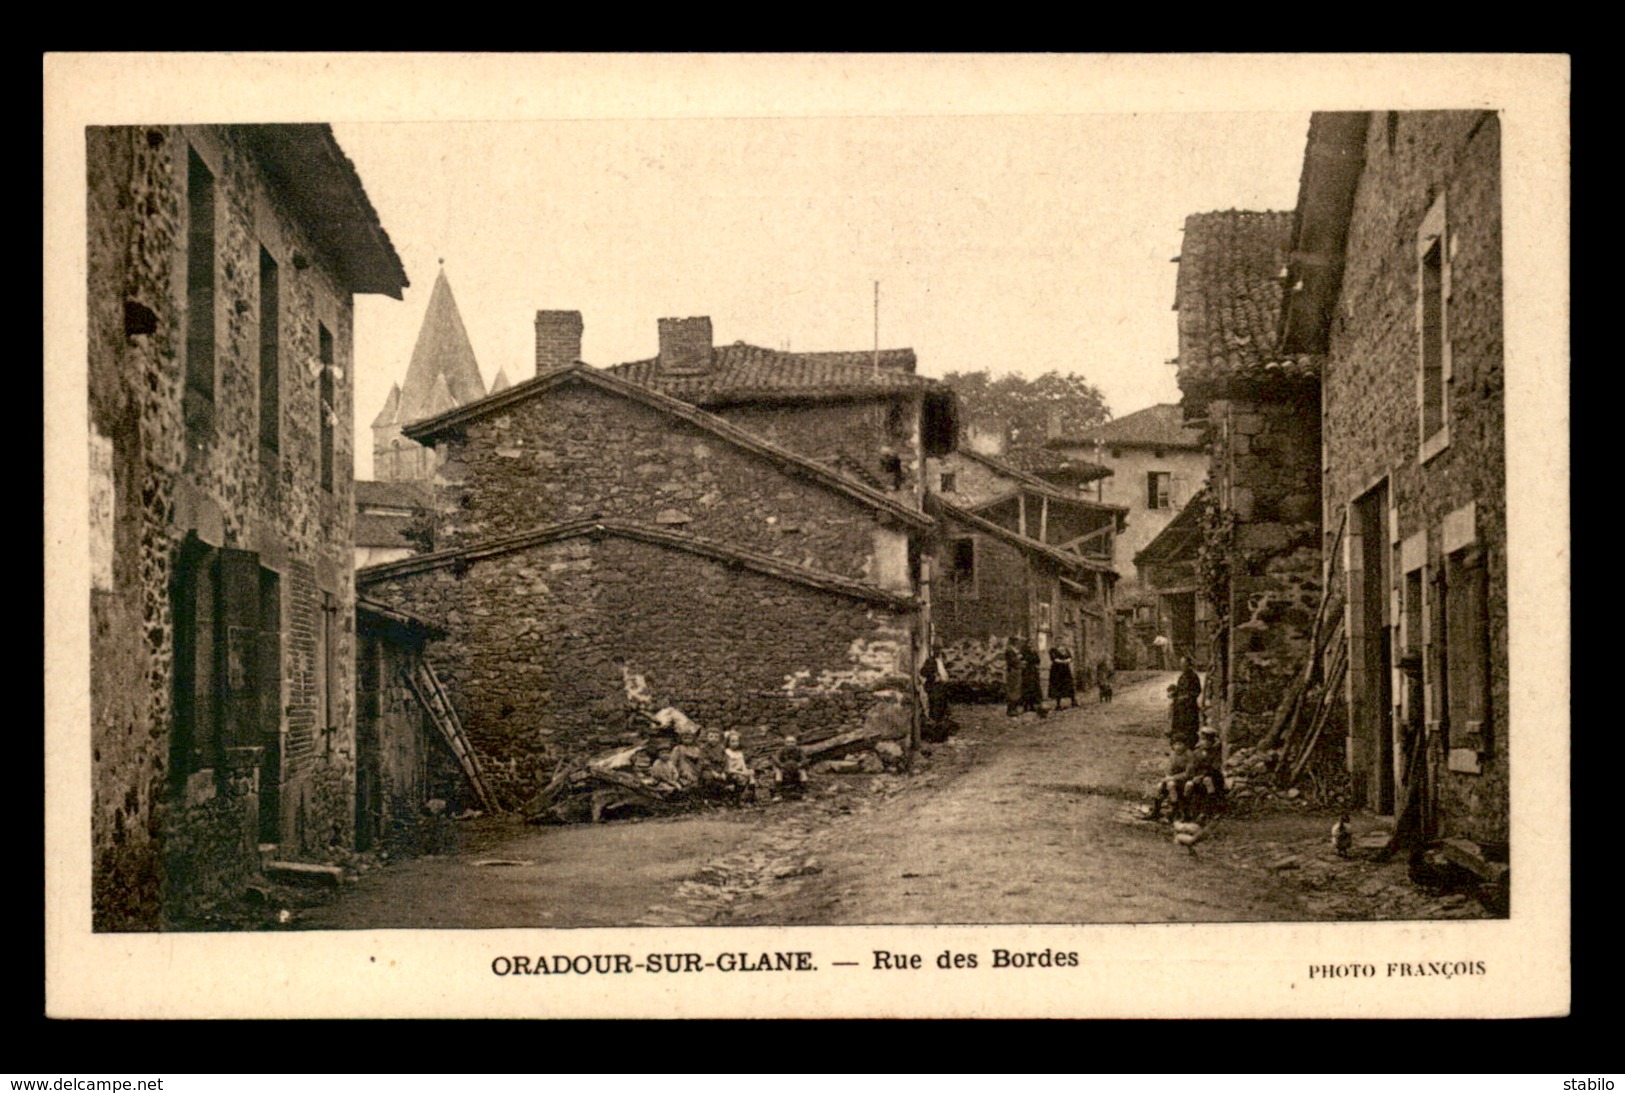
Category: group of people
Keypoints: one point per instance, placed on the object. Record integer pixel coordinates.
(1193, 787)
(713, 764)
(1021, 693)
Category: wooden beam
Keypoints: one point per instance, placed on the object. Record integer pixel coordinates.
(1043, 520)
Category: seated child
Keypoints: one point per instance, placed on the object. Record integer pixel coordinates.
(790, 777)
(664, 771)
(740, 777)
(1204, 784)
(1172, 786)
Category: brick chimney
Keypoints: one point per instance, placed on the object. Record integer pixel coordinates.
(558, 340)
(685, 346)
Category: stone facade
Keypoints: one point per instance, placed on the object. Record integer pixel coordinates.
(1265, 479)
(991, 583)
(1428, 189)
(221, 517)
(543, 639)
(580, 451)
(1261, 557)
(875, 440)
(593, 532)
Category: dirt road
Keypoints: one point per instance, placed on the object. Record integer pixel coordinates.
(1013, 820)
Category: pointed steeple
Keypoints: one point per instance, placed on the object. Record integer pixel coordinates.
(440, 399)
(442, 353)
(501, 383)
(389, 415)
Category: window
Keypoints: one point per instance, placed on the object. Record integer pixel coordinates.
(325, 408)
(198, 398)
(1159, 490)
(962, 567)
(946, 483)
(1433, 332)
(270, 359)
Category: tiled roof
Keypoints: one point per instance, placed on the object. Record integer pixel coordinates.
(1229, 303)
(1071, 563)
(1160, 426)
(305, 162)
(413, 495)
(382, 531)
(1181, 540)
(751, 373)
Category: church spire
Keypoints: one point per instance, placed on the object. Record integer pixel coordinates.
(442, 352)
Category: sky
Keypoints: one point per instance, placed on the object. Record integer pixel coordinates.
(1016, 242)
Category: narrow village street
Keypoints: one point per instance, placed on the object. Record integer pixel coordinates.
(1012, 820)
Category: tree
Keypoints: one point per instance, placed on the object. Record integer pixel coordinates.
(1024, 408)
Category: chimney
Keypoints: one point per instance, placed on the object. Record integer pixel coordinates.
(558, 340)
(685, 346)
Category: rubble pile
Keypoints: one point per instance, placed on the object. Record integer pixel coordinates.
(678, 767)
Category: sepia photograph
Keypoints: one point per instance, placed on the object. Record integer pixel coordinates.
(714, 527)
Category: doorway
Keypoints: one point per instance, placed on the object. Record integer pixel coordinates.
(1374, 651)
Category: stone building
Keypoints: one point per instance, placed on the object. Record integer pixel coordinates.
(994, 582)
(598, 538)
(1395, 263)
(1032, 508)
(1171, 592)
(1155, 462)
(393, 520)
(865, 414)
(1261, 407)
(222, 261)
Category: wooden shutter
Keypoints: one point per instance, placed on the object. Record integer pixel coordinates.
(240, 624)
(197, 656)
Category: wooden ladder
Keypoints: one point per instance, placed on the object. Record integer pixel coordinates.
(420, 676)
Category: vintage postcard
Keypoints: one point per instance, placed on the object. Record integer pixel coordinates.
(807, 535)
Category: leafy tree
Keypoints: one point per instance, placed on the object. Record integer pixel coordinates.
(1023, 408)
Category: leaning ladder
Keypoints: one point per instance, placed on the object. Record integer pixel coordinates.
(426, 685)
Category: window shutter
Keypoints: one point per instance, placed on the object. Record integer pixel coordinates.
(197, 658)
(239, 618)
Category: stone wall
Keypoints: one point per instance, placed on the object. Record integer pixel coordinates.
(577, 451)
(1372, 416)
(1266, 476)
(859, 436)
(543, 641)
(153, 488)
(973, 622)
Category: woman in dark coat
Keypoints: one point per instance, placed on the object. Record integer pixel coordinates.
(1186, 712)
(1012, 675)
(1061, 683)
(1031, 697)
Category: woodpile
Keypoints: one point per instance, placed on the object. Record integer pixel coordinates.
(1309, 704)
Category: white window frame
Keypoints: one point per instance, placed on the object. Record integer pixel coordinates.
(1434, 231)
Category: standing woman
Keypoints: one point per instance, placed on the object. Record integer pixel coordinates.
(1186, 713)
(1012, 675)
(1031, 697)
(1061, 683)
